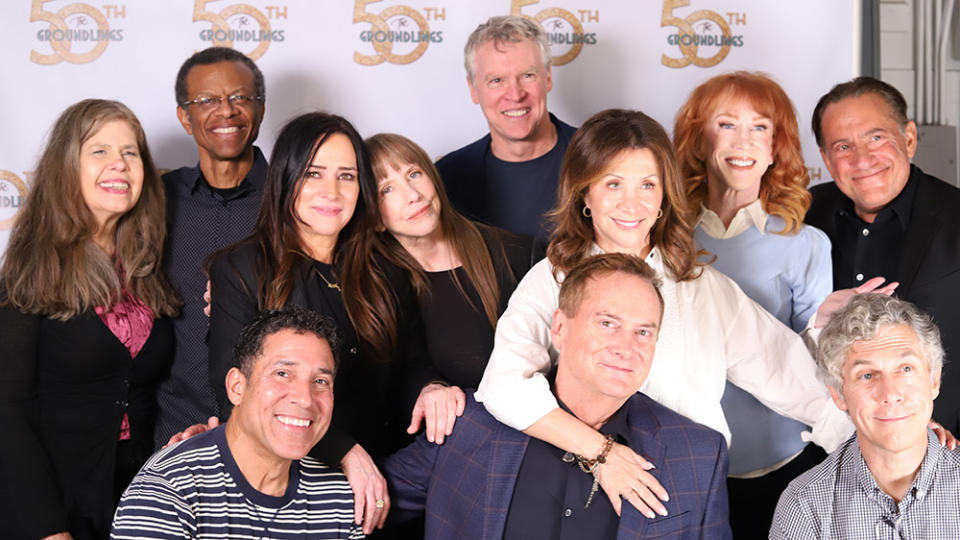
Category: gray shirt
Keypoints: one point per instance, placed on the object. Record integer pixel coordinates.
(840, 499)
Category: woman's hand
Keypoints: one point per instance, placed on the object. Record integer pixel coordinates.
(836, 300)
(943, 435)
(195, 429)
(438, 406)
(624, 474)
(59, 536)
(370, 499)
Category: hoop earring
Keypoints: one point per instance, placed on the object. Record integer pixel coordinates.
(586, 212)
(660, 213)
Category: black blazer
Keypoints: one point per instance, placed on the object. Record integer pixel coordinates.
(929, 268)
(64, 388)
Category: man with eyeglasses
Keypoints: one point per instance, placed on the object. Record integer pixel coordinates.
(220, 102)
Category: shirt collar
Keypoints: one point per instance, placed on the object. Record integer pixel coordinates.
(922, 483)
(900, 208)
(254, 180)
(654, 258)
(615, 425)
(751, 215)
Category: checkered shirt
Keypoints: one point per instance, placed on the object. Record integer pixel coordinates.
(840, 499)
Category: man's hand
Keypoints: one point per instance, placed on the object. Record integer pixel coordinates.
(624, 474)
(371, 502)
(836, 300)
(195, 429)
(439, 406)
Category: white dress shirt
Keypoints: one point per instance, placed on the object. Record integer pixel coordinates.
(711, 331)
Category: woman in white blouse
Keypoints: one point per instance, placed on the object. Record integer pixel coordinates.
(621, 191)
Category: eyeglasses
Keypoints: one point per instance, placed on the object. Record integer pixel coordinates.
(210, 103)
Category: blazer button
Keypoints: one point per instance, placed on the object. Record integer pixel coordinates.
(353, 350)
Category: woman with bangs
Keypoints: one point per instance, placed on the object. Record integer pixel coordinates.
(621, 191)
(738, 146)
(463, 272)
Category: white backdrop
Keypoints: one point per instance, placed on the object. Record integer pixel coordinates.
(397, 65)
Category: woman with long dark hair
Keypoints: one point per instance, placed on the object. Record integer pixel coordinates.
(463, 272)
(305, 251)
(85, 324)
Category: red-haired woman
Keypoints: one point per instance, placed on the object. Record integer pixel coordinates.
(738, 146)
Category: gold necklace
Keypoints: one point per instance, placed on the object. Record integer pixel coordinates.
(324, 278)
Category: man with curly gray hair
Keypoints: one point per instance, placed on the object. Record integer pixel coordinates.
(881, 359)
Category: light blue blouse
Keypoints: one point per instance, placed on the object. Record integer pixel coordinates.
(789, 275)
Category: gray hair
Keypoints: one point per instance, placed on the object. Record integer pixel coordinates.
(865, 316)
(505, 28)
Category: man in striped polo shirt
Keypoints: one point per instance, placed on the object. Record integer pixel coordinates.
(252, 478)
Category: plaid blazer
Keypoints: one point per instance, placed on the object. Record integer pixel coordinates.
(465, 485)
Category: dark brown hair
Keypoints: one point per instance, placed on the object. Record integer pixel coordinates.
(52, 265)
(598, 141)
(391, 151)
(783, 187)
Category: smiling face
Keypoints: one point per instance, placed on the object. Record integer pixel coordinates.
(867, 152)
(409, 207)
(510, 83)
(738, 145)
(328, 195)
(607, 346)
(226, 132)
(888, 391)
(284, 407)
(624, 201)
(111, 172)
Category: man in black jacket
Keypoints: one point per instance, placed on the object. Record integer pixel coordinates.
(884, 216)
(508, 178)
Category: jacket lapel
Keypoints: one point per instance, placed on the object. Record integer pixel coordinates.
(644, 440)
(923, 226)
(508, 448)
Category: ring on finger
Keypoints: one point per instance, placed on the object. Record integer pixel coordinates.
(379, 504)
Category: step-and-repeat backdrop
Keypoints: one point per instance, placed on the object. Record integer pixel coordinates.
(397, 65)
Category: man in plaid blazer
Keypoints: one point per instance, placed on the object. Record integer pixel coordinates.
(489, 481)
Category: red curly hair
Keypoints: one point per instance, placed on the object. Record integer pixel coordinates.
(783, 188)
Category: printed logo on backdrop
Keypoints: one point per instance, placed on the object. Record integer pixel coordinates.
(13, 192)
(704, 38)
(398, 34)
(240, 26)
(77, 32)
(564, 29)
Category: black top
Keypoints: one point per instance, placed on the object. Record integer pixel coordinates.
(551, 492)
(928, 266)
(459, 336)
(64, 388)
(374, 398)
(200, 220)
(863, 249)
(510, 195)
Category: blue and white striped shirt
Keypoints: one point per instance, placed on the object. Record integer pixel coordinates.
(196, 490)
